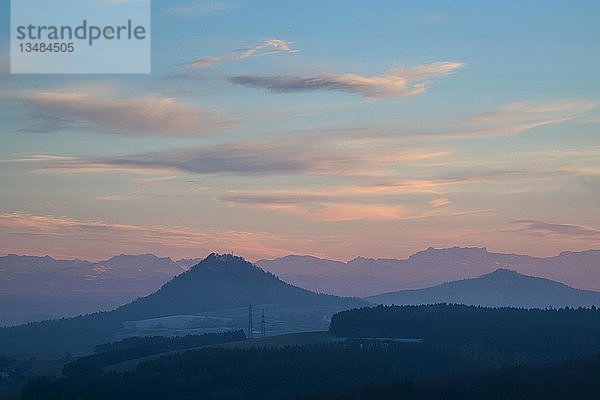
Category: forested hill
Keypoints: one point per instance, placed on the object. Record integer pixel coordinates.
(225, 281)
(218, 282)
(459, 343)
(573, 379)
(501, 288)
(549, 334)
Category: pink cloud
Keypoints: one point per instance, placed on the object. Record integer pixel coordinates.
(399, 82)
(148, 114)
(95, 239)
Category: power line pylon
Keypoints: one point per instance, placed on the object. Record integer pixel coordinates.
(250, 321)
(263, 324)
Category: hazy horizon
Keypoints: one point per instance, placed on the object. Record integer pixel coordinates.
(204, 255)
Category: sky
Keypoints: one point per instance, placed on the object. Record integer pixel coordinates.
(336, 129)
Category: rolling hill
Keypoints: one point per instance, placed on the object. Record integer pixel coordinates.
(501, 288)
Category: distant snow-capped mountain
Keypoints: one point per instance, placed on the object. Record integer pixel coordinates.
(366, 276)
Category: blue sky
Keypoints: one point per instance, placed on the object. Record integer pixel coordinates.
(337, 129)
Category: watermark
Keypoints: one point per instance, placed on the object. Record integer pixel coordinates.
(80, 37)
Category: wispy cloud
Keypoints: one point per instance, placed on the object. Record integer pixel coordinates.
(356, 211)
(76, 165)
(243, 159)
(30, 234)
(203, 62)
(200, 8)
(507, 119)
(399, 82)
(335, 204)
(519, 117)
(239, 159)
(440, 202)
(546, 228)
(324, 210)
(278, 157)
(281, 197)
(96, 107)
(122, 197)
(264, 48)
(267, 47)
